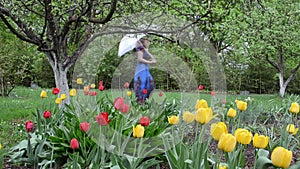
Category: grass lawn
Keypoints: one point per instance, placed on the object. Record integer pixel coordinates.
(24, 101)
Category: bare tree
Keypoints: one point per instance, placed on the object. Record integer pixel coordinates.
(60, 29)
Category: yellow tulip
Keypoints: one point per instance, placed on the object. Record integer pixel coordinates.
(63, 96)
(138, 131)
(201, 104)
(241, 105)
(58, 100)
(43, 94)
(231, 113)
(291, 129)
(243, 136)
(93, 86)
(79, 81)
(188, 117)
(281, 157)
(173, 119)
(129, 93)
(73, 92)
(222, 167)
(204, 115)
(227, 142)
(0, 146)
(294, 108)
(260, 141)
(217, 129)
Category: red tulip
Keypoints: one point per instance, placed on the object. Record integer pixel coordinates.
(120, 105)
(212, 93)
(224, 101)
(102, 118)
(201, 87)
(144, 121)
(47, 114)
(29, 126)
(55, 90)
(126, 85)
(101, 83)
(86, 92)
(145, 91)
(93, 93)
(101, 88)
(160, 94)
(74, 144)
(84, 126)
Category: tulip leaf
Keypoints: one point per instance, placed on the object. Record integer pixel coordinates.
(263, 153)
(295, 166)
(263, 163)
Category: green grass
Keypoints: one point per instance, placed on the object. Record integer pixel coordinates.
(24, 101)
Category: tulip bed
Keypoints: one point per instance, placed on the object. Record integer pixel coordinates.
(99, 131)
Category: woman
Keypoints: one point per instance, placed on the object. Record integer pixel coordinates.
(143, 80)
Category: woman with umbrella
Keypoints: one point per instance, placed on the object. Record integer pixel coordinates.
(143, 80)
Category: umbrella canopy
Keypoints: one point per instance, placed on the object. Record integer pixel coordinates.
(128, 42)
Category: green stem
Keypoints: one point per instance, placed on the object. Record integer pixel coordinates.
(256, 154)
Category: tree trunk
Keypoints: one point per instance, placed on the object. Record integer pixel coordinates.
(61, 81)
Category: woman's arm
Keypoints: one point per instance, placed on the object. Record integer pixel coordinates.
(142, 60)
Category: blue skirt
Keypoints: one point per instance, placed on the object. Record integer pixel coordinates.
(143, 85)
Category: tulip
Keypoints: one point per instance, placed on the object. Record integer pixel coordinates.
(160, 94)
(144, 121)
(58, 100)
(243, 136)
(281, 157)
(241, 105)
(73, 92)
(138, 131)
(86, 89)
(0, 146)
(93, 86)
(204, 115)
(79, 81)
(294, 108)
(173, 119)
(101, 88)
(291, 129)
(43, 94)
(63, 96)
(218, 129)
(222, 167)
(201, 87)
(74, 144)
(47, 114)
(227, 142)
(55, 90)
(129, 93)
(145, 91)
(102, 118)
(231, 113)
(126, 85)
(188, 117)
(29, 126)
(201, 104)
(260, 141)
(212, 93)
(223, 101)
(84, 126)
(120, 105)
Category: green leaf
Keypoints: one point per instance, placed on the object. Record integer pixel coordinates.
(263, 163)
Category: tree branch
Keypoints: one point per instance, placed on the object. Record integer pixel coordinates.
(30, 37)
(272, 63)
(109, 15)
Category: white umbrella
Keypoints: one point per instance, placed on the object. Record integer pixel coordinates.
(128, 42)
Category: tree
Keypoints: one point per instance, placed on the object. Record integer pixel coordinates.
(60, 29)
(269, 30)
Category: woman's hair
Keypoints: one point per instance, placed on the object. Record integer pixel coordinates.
(141, 46)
